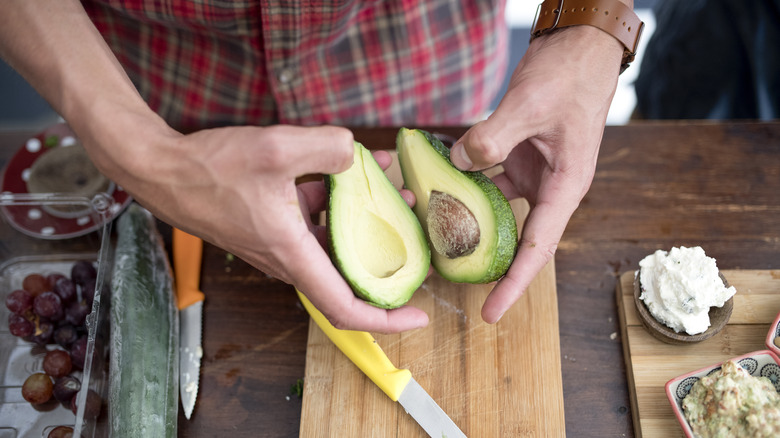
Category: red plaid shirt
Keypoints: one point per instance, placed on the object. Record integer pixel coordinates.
(206, 63)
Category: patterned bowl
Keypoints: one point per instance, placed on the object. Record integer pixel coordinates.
(758, 363)
(773, 337)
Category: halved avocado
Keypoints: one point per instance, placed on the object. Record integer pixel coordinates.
(374, 238)
(468, 221)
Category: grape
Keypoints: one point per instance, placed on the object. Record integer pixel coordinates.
(78, 352)
(65, 388)
(35, 284)
(65, 335)
(37, 389)
(88, 291)
(48, 305)
(18, 301)
(92, 407)
(57, 363)
(20, 326)
(77, 312)
(44, 330)
(61, 432)
(53, 277)
(66, 289)
(82, 271)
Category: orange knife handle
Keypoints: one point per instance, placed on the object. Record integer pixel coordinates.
(187, 258)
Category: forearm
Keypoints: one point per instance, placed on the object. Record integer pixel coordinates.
(57, 49)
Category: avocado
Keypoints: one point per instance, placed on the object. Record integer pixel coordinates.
(374, 238)
(469, 223)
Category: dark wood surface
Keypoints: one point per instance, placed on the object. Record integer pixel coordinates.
(657, 185)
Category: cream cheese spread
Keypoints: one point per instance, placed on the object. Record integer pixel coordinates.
(680, 286)
(731, 403)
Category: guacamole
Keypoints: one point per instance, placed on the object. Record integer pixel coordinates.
(732, 403)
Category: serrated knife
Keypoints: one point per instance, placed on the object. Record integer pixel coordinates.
(399, 385)
(187, 257)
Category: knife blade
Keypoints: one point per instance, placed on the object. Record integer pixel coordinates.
(187, 257)
(399, 385)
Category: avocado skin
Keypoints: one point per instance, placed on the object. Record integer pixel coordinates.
(506, 247)
(362, 292)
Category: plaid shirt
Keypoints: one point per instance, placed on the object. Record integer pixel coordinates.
(206, 63)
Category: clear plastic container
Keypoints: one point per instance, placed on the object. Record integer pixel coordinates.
(24, 250)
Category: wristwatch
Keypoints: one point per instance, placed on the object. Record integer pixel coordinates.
(611, 16)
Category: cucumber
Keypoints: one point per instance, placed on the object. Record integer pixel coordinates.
(144, 365)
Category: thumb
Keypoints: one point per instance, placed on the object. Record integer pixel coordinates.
(488, 142)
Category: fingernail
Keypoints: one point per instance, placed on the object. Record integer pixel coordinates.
(460, 151)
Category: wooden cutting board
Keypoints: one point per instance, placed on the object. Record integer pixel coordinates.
(651, 363)
(501, 380)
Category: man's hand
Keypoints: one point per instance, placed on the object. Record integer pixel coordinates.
(546, 132)
(235, 187)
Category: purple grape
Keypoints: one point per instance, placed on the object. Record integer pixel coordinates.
(82, 271)
(44, 331)
(92, 407)
(76, 312)
(20, 326)
(18, 301)
(48, 305)
(88, 291)
(53, 277)
(61, 432)
(65, 388)
(66, 289)
(57, 363)
(78, 352)
(65, 335)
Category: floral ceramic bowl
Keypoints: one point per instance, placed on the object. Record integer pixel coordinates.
(762, 363)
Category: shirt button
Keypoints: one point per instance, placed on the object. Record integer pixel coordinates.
(286, 75)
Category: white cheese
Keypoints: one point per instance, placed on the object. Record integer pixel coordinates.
(680, 286)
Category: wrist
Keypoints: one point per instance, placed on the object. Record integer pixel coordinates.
(615, 18)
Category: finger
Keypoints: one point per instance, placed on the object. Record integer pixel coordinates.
(314, 195)
(328, 291)
(308, 150)
(541, 233)
(408, 196)
(506, 186)
(382, 158)
(488, 142)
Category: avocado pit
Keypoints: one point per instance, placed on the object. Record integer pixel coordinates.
(452, 227)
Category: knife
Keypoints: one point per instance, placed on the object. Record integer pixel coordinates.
(187, 256)
(399, 385)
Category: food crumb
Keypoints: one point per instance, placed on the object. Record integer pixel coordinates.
(613, 336)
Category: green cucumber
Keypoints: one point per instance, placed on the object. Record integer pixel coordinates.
(144, 365)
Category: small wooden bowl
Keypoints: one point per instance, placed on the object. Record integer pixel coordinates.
(719, 317)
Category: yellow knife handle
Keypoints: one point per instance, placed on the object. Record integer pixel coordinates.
(363, 351)
(187, 257)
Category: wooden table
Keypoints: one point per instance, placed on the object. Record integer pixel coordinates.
(657, 185)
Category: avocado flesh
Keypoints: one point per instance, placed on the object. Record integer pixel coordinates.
(427, 169)
(374, 238)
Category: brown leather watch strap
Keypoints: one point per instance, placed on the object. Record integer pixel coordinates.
(611, 16)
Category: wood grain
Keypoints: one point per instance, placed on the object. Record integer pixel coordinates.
(499, 380)
(651, 363)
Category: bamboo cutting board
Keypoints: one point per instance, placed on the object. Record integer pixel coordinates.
(501, 380)
(651, 363)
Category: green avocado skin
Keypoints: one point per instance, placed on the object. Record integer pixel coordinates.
(506, 224)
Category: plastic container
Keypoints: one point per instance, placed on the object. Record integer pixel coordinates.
(23, 253)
